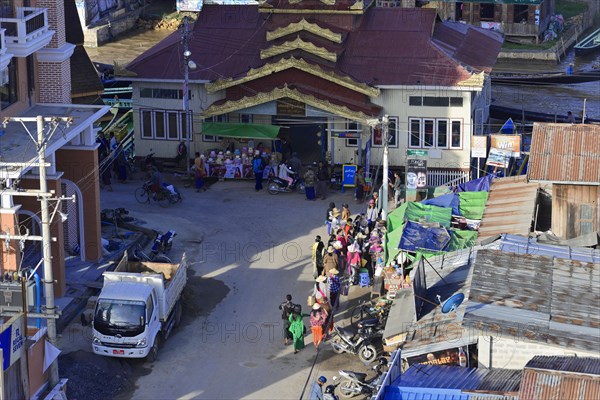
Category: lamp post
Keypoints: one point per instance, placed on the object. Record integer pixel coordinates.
(385, 184)
(186, 101)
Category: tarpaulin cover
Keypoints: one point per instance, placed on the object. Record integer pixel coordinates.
(396, 218)
(472, 204)
(392, 243)
(245, 131)
(450, 200)
(416, 236)
(476, 185)
(423, 212)
(461, 240)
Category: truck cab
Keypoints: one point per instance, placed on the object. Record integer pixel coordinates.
(126, 321)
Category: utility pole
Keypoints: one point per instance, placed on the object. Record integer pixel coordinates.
(386, 179)
(43, 196)
(186, 100)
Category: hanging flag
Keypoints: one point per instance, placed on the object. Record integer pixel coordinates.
(50, 354)
(508, 127)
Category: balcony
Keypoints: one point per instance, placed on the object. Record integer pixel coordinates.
(5, 57)
(27, 32)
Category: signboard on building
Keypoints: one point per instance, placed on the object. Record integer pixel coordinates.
(289, 106)
(12, 340)
(416, 173)
(478, 146)
(507, 142)
(189, 5)
(498, 158)
(416, 153)
(349, 171)
(346, 135)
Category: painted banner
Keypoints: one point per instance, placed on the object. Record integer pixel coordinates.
(189, 5)
(416, 173)
(507, 142)
(12, 340)
(498, 158)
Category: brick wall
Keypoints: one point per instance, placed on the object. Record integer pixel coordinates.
(56, 20)
(55, 82)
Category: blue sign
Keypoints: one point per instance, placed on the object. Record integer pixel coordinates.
(12, 340)
(349, 171)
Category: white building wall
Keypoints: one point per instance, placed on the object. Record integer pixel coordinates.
(513, 353)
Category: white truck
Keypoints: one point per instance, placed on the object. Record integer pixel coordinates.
(139, 304)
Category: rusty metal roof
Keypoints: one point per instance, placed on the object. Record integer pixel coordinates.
(547, 384)
(565, 153)
(583, 365)
(542, 299)
(510, 207)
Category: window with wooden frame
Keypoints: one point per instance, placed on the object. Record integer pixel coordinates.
(164, 124)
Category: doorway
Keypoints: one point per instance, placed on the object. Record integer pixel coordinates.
(303, 136)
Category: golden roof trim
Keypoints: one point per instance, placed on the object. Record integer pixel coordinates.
(300, 64)
(475, 80)
(304, 25)
(278, 93)
(270, 9)
(298, 43)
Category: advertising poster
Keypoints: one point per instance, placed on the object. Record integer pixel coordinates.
(416, 173)
(478, 146)
(507, 142)
(349, 171)
(451, 357)
(189, 5)
(498, 158)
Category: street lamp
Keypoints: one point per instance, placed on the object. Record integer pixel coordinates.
(187, 65)
(384, 122)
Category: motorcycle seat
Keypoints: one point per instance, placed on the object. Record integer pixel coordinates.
(357, 375)
(346, 333)
(370, 323)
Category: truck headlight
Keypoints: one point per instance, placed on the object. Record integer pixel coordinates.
(96, 341)
(141, 343)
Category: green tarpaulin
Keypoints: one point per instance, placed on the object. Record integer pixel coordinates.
(472, 204)
(396, 218)
(392, 241)
(244, 131)
(462, 240)
(418, 212)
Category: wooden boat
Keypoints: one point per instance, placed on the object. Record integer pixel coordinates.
(589, 44)
(546, 78)
(503, 113)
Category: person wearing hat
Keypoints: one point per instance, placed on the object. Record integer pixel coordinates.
(353, 260)
(317, 256)
(318, 318)
(334, 288)
(335, 220)
(330, 261)
(258, 167)
(316, 389)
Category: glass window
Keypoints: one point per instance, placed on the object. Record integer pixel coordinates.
(173, 126)
(351, 142)
(456, 139)
(246, 118)
(146, 92)
(428, 135)
(415, 133)
(415, 101)
(442, 133)
(159, 125)
(146, 124)
(456, 101)
(393, 132)
(149, 308)
(436, 101)
(9, 93)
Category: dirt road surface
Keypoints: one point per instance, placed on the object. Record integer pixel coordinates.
(246, 251)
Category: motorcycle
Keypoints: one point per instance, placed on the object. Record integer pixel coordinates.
(346, 341)
(278, 185)
(356, 383)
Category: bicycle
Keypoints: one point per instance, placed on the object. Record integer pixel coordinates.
(164, 197)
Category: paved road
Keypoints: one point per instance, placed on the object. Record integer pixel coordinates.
(259, 246)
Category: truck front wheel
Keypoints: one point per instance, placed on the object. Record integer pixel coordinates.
(153, 354)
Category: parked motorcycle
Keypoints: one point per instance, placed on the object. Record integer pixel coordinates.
(356, 383)
(278, 185)
(346, 341)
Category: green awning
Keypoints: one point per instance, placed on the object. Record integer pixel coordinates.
(242, 131)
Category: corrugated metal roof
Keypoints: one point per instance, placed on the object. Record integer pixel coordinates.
(498, 381)
(584, 365)
(510, 207)
(552, 301)
(565, 153)
(407, 394)
(530, 245)
(540, 384)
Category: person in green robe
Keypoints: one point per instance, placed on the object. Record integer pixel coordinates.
(297, 330)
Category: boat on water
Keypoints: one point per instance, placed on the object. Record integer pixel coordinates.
(591, 75)
(589, 44)
(500, 112)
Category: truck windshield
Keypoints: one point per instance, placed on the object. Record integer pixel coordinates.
(120, 316)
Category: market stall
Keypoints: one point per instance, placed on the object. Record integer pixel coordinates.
(233, 159)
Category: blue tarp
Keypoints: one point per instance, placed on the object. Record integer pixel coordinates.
(476, 185)
(450, 200)
(416, 236)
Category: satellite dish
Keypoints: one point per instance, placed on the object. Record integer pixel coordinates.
(452, 303)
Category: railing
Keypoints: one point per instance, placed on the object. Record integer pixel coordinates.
(30, 23)
(437, 178)
(519, 29)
